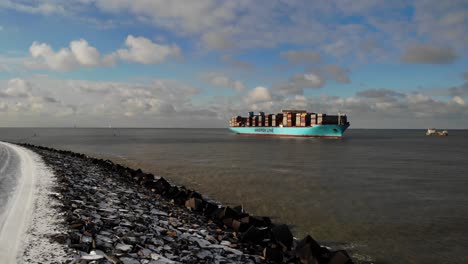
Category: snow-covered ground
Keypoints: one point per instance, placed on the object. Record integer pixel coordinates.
(28, 218)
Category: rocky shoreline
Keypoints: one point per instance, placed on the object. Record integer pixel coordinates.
(115, 214)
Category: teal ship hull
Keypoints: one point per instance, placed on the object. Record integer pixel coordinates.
(324, 131)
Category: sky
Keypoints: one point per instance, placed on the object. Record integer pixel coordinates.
(181, 63)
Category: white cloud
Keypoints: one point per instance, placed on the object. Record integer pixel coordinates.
(290, 88)
(17, 88)
(298, 82)
(183, 16)
(308, 80)
(379, 93)
(238, 85)
(94, 101)
(85, 54)
(314, 79)
(81, 54)
(418, 98)
(37, 7)
(171, 103)
(461, 90)
(259, 94)
(45, 57)
(441, 21)
(218, 39)
(48, 8)
(229, 60)
(429, 54)
(19, 96)
(247, 24)
(221, 80)
(338, 48)
(337, 73)
(301, 56)
(143, 50)
(3, 107)
(458, 100)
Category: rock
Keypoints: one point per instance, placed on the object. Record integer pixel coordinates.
(92, 256)
(204, 254)
(194, 194)
(80, 247)
(203, 232)
(201, 242)
(225, 243)
(123, 247)
(158, 212)
(194, 204)
(145, 253)
(239, 226)
(157, 242)
(239, 209)
(167, 247)
(86, 239)
(255, 235)
(310, 252)
(209, 208)
(171, 233)
(161, 259)
(273, 253)
(228, 249)
(130, 240)
(283, 235)
(168, 239)
(127, 260)
(227, 212)
(228, 222)
(161, 185)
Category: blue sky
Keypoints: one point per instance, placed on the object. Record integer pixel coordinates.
(170, 63)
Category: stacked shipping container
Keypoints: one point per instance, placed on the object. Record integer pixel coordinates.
(302, 119)
(288, 118)
(255, 121)
(320, 119)
(235, 121)
(313, 119)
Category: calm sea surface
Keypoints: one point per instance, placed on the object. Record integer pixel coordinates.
(395, 196)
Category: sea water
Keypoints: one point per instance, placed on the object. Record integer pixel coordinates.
(394, 196)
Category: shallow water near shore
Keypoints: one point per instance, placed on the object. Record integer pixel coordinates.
(395, 195)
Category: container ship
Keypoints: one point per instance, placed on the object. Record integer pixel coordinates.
(290, 123)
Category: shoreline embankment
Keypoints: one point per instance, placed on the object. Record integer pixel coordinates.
(115, 214)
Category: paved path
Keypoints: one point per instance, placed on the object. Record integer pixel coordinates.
(18, 177)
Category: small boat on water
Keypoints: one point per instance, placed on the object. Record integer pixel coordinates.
(434, 132)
